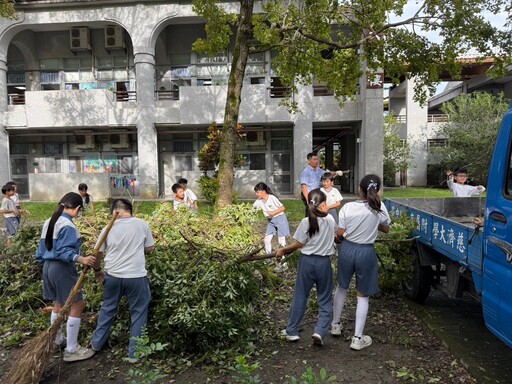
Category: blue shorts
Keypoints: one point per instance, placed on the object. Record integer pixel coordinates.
(11, 225)
(361, 260)
(278, 226)
(59, 278)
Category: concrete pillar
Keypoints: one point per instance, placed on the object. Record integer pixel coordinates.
(302, 133)
(370, 141)
(416, 126)
(5, 170)
(146, 132)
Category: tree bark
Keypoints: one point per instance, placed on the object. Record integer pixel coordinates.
(229, 130)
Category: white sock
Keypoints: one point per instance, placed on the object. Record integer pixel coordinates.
(339, 301)
(72, 328)
(58, 338)
(268, 243)
(361, 313)
(282, 241)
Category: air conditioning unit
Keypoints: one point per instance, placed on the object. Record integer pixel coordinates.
(79, 39)
(84, 141)
(255, 139)
(114, 37)
(119, 140)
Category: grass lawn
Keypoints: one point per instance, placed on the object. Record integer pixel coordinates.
(416, 192)
(40, 211)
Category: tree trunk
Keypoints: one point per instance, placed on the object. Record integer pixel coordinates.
(236, 77)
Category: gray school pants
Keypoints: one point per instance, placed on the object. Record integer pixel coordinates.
(139, 295)
(313, 270)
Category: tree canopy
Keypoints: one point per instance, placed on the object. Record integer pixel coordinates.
(397, 153)
(471, 131)
(337, 42)
(7, 9)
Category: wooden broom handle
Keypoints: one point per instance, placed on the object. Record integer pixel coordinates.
(78, 284)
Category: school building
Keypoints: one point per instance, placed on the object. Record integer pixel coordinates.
(110, 93)
(419, 124)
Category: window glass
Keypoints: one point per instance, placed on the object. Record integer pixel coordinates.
(72, 64)
(19, 149)
(19, 166)
(254, 161)
(180, 58)
(281, 162)
(52, 149)
(104, 62)
(49, 64)
(284, 144)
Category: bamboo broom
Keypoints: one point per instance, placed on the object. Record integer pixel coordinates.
(35, 354)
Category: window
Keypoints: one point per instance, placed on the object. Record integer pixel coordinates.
(19, 149)
(182, 146)
(254, 161)
(118, 164)
(51, 149)
(19, 166)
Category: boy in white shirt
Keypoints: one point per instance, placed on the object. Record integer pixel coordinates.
(459, 187)
(333, 195)
(190, 197)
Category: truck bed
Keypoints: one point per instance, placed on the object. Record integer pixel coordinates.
(446, 226)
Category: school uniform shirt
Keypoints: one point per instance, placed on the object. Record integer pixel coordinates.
(8, 205)
(322, 242)
(333, 196)
(66, 241)
(463, 190)
(16, 199)
(124, 248)
(84, 203)
(190, 196)
(177, 204)
(271, 204)
(360, 222)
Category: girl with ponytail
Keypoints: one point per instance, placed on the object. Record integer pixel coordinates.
(359, 223)
(315, 237)
(59, 251)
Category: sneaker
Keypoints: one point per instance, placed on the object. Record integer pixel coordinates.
(336, 329)
(359, 343)
(81, 353)
(289, 337)
(317, 339)
(132, 360)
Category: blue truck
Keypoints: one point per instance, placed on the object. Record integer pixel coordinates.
(457, 255)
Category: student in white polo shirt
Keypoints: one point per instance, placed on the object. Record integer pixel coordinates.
(359, 223)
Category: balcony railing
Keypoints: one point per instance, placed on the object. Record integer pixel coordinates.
(437, 118)
(322, 90)
(16, 99)
(125, 96)
(167, 95)
(279, 92)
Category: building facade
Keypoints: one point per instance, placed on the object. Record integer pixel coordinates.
(419, 124)
(111, 93)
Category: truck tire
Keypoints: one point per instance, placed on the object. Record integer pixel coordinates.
(417, 288)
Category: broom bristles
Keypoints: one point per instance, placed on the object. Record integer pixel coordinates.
(35, 354)
(33, 357)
